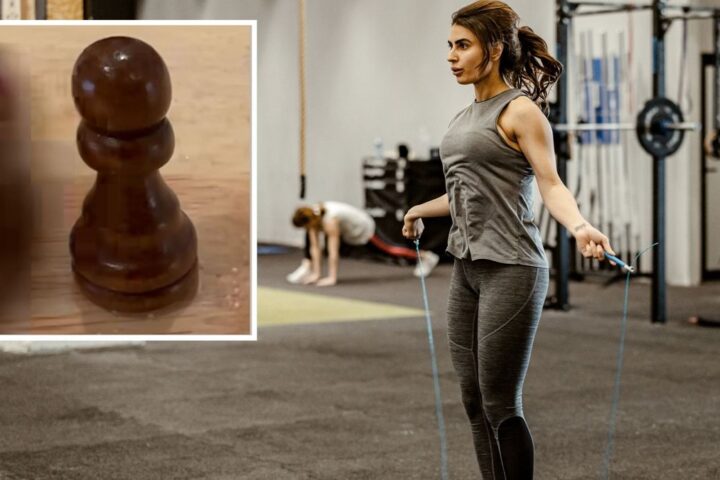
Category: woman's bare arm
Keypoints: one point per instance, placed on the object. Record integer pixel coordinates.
(437, 207)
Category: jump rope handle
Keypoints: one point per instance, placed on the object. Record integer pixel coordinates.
(624, 266)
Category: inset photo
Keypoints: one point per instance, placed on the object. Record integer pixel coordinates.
(132, 149)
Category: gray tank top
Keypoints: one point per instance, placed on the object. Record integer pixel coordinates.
(489, 186)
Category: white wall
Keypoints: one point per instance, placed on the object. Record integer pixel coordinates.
(377, 68)
(701, 41)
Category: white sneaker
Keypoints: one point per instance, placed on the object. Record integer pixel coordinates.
(429, 262)
(299, 274)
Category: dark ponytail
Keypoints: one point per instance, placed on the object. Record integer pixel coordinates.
(525, 62)
(536, 70)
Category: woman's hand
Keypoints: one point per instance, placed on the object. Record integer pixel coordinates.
(591, 242)
(413, 227)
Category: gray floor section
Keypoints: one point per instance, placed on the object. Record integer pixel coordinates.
(355, 400)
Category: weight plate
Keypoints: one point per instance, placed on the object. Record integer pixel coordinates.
(652, 129)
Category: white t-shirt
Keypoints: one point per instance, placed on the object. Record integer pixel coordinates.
(356, 225)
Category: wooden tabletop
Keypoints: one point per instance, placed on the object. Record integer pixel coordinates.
(210, 70)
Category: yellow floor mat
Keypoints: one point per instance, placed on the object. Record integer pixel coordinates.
(284, 307)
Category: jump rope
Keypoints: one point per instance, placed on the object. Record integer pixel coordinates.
(605, 471)
(436, 379)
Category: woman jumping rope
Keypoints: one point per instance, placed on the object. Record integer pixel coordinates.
(491, 153)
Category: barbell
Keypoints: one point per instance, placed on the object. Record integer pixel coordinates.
(660, 127)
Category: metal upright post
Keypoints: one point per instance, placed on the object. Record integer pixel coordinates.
(561, 255)
(716, 103)
(705, 62)
(659, 306)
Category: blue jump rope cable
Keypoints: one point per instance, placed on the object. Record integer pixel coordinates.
(436, 378)
(605, 472)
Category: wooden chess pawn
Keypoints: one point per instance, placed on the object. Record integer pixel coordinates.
(133, 249)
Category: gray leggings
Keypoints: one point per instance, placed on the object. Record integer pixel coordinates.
(493, 313)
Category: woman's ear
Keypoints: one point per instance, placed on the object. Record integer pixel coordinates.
(496, 51)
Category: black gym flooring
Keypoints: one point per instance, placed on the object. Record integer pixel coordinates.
(354, 400)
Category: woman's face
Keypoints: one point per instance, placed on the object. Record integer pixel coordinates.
(466, 56)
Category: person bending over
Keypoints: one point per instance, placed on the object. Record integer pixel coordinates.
(343, 223)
